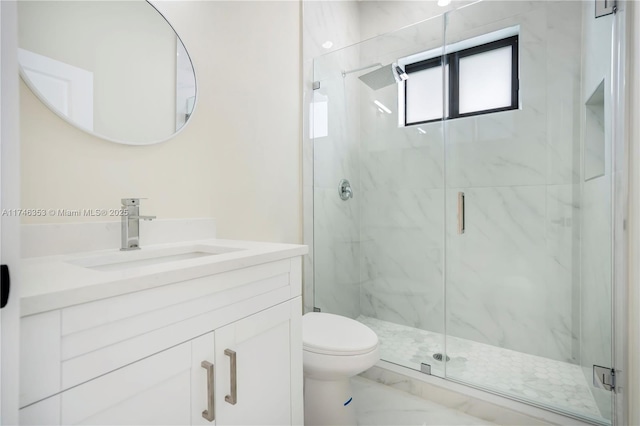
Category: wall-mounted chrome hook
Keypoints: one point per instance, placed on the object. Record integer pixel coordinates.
(344, 190)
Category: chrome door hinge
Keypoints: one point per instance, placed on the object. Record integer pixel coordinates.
(605, 7)
(425, 368)
(316, 85)
(604, 378)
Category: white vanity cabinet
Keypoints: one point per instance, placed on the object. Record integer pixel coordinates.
(223, 349)
(155, 390)
(152, 391)
(265, 369)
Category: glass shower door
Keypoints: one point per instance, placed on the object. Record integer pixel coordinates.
(402, 206)
(527, 236)
(336, 159)
(379, 255)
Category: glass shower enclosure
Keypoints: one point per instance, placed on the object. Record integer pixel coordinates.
(462, 198)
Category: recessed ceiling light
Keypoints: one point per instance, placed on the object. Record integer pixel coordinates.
(327, 44)
(443, 3)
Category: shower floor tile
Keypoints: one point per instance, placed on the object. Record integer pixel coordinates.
(533, 378)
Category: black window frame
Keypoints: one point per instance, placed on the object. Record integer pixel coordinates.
(453, 61)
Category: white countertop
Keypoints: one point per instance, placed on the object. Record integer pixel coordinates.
(56, 282)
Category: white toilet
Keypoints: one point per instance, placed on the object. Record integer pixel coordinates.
(335, 349)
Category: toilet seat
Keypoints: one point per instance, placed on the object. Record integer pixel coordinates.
(336, 335)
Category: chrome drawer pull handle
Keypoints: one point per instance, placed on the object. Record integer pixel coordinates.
(209, 413)
(233, 398)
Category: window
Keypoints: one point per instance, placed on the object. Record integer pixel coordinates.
(478, 80)
(425, 77)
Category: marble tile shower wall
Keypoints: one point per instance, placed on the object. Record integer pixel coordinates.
(511, 276)
(402, 218)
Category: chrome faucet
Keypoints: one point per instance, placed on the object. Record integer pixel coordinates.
(131, 224)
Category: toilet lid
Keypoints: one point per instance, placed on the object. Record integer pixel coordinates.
(336, 335)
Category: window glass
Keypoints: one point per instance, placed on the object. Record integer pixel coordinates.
(485, 81)
(424, 95)
(479, 79)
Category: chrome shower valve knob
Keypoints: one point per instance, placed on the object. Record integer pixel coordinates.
(344, 190)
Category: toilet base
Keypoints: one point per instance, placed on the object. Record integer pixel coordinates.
(328, 402)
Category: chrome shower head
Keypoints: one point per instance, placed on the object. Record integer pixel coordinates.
(383, 77)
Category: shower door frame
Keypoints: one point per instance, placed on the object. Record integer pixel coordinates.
(621, 99)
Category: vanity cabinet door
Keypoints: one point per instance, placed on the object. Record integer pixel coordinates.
(45, 412)
(264, 360)
(152, 391)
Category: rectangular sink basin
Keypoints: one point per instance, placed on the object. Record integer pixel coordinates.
(121, 260)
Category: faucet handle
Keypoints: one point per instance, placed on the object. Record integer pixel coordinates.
(131, 201)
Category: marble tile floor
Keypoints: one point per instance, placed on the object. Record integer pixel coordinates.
(378, 405)
(529, 377)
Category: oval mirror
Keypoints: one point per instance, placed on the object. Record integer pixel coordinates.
(115, 69)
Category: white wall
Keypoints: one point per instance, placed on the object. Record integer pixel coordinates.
(238, 160)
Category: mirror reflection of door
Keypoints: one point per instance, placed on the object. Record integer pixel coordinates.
(115, 69)
(65, 88)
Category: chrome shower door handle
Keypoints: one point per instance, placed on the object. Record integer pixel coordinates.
(233, 397)
(461, 213)
(209, 414)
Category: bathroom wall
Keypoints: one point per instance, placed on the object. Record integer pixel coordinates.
(510, 277)
(238, 160)
(384, 16)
